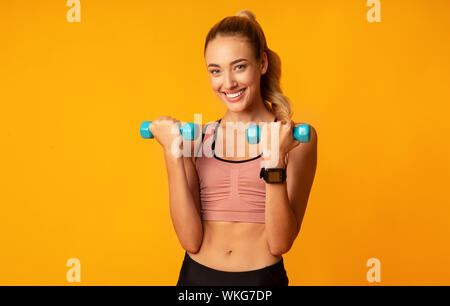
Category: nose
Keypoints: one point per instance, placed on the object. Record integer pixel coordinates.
(229, 81)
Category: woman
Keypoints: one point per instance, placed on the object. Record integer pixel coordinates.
(234, 225)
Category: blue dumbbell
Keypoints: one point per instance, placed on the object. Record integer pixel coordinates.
(301, 133)
(189, 130)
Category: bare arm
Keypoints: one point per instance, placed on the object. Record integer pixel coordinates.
(183, 185)
(286, 203)
(184, 201)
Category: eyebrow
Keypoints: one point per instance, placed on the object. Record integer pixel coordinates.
(233, 62)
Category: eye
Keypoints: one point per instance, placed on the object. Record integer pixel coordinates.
(243, 66)
(212, 71)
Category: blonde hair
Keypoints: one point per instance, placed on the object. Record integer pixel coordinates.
(244, 24)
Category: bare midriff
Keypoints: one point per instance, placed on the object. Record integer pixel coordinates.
(234, 247)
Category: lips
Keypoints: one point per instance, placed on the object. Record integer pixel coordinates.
(233, 92)
(237, 97)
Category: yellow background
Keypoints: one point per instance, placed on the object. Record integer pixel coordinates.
(77, 181)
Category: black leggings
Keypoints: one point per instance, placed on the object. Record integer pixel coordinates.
(193, 273)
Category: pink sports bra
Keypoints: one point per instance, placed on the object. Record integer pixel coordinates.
(229, 190)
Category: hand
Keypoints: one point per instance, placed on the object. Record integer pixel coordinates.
(166, 131)
(274, 151)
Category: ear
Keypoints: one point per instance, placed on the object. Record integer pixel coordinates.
(264, 63)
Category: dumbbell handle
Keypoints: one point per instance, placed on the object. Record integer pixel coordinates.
(189, 130)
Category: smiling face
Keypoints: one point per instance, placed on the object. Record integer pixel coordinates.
(234, 72)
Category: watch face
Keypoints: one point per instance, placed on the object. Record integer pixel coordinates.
(274, 176)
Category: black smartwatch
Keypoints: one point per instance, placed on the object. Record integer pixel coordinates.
(273, 175)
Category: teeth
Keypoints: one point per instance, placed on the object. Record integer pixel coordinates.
(236, 94)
